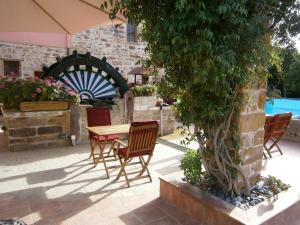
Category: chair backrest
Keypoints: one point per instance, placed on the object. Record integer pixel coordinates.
(98, 117)
(281, 124)
(142, 137)
(275, 126)
(269, 125)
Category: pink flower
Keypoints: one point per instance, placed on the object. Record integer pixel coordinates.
(36, 78)
(38, 90)
(48, 83)
(72, 93)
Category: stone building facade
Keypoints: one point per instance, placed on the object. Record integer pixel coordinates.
(110, 42)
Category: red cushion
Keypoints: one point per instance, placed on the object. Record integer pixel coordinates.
(105, 138)
(123, 151)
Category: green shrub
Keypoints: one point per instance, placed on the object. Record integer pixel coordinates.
(275, 184)
(144, 90)
(192, 166)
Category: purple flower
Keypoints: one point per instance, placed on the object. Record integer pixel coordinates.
(38, 90)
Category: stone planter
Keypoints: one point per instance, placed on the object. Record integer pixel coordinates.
(37, 130)
(43, 106)
(144, 102)
(211, 210)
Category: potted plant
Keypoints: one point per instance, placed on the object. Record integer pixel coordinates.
(35, 94)
(144, 96)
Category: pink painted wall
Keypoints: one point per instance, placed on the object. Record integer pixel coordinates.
(45, 39)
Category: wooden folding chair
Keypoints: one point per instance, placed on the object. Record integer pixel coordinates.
(141, 143)
(100, 117)
(275, 127)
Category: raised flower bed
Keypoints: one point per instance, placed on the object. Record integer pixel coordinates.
(35, 94)
(36, 113)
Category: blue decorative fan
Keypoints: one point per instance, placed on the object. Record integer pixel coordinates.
(88, 84)
(91, 77)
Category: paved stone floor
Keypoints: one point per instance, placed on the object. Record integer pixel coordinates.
(61, 186)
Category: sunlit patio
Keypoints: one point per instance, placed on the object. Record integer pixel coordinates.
(61, 186)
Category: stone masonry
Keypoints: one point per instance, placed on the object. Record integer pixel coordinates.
(144, 110)
(110, 41)
(28, 130)
(251, 128)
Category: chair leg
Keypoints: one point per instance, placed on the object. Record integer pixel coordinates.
(111, 150)
(101, 157)
(91, 145)
(145, 167)
(276, 144)
(92, 154)
(122, 170)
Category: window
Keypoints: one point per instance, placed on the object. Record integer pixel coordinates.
(131, 32)
(11, 68)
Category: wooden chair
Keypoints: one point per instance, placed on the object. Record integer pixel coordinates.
(100, 117)
(275, 127)
(141, 143)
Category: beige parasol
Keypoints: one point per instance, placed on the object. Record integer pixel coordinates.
(53, 16)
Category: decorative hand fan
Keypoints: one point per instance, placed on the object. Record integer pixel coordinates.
(91, 77)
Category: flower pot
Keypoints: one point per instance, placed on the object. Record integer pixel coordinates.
(43, 106)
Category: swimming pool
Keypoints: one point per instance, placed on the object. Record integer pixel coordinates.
(282, 106)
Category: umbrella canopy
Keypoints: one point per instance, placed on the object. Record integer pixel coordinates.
(53, 16)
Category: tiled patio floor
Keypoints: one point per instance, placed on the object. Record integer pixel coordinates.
(61, 186)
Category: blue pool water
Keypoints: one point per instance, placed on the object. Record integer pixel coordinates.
(282, 106)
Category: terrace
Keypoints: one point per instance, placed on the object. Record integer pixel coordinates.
(61, 186)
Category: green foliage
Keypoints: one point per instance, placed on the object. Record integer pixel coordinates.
(192, 166)
(209, 51)
(13, 91)
(143, 90)
(276, 185)
(293, 79)
(283, 77)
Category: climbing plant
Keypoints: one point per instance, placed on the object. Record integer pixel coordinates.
(209, 51)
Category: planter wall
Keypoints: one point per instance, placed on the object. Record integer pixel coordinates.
(293, 131)
(29, 130)
(214, 211)
(43, 106)
(144, 102)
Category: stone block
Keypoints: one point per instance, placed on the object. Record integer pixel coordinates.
(251, 122)
(262, 99)
(49, 130)
(26, 122)
(251, 155)
(259, 137)
(22, 132)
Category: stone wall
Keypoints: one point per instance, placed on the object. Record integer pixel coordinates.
(293, 131)
(32, 57)
(29, 130)
(117, 114)
(110, 42)
(251, 128)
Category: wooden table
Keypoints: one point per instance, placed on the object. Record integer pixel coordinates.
(105, 131)
(110, 130)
